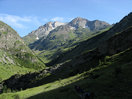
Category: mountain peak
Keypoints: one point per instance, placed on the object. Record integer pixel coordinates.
(42, 31)
(56, 24)
(78, 22)
(79, 18)
(84, 23)
(48, 24)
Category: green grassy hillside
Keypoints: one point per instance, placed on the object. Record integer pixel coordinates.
(15, 56)
(113, 81)
(63, 36)
(48, 55)
(94, 42)
(106, 77)
(100, 65)
(7, 70)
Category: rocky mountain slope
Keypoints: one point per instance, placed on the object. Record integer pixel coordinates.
(106, 68)
(72, 32)
(99, 65)
(91, 25)
(97, 40)
(14, 51)
(42, 31)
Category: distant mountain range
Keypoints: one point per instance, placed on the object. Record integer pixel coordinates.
(99, 41)
(92, 55)
(55, 34)
(42, 31)
(100, 63)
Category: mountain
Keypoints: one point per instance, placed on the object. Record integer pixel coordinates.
(105, 69)
(76, 30)
(81, 59)
(95, 41)
(42, 31)
(100, 66)
(91, 25)
(14, 51)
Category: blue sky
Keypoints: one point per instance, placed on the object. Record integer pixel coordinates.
(27, 15)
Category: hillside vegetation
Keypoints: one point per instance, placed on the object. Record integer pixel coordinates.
(15, 56)
(100, 64)
(110, 79)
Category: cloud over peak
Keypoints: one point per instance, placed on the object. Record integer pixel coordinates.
(26, 24)
(57, 19)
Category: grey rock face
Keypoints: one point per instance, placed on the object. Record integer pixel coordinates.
(12, 48)
(44, 30)
(98, 25)
(79, 22)
(91, 25)
(61, 28)
(64, 33)
(8, 37)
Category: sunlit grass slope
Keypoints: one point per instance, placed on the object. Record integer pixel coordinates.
(8, 70)
(110, 80)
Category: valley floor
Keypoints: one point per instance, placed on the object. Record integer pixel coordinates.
(7, 70)
(111, 79)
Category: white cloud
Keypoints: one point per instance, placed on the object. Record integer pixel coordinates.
(57, 19)
(25, 24)
(26, 21)
(17, 21)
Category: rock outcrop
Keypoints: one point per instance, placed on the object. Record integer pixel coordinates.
(14, 51)
(77, 29)
(42, 31)
(91, 25)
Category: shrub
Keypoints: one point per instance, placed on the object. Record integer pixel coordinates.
(16, 97)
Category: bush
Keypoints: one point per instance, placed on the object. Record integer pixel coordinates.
(4, 89)
(16, 97)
